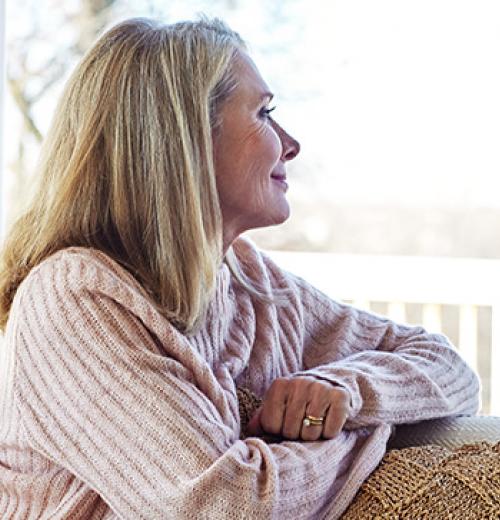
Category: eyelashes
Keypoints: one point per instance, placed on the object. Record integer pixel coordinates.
(266, 112)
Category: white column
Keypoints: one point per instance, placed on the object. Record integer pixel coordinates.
(431, 317)
(2, 105)
(468, 334)
(495, 360)
(397, 311)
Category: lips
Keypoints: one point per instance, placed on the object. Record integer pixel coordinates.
(280, 180)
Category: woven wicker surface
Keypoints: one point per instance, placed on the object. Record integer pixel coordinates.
(432, 483)
(436, 478)
(247, 403)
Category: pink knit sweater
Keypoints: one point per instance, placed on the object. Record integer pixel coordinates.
(107, 411)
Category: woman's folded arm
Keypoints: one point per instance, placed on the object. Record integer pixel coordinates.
(394, 373)
(97, 398)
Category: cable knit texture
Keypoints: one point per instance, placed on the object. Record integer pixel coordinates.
(107, 411)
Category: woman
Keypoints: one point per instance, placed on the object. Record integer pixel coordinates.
(133, 310)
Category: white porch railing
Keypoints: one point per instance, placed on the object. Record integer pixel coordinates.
(432, 282)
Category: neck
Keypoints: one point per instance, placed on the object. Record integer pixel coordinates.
(229, 235)
(226, 243)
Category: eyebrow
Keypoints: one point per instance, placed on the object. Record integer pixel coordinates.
(265, 95)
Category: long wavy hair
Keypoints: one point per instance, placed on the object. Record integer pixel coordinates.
(127, 166)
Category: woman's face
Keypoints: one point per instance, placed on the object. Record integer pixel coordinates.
(250, 152)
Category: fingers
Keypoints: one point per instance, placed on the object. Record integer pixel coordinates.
(273, 407)
(337, 413)
(254, 428)
(295, 412)
(289, 400)
(319, 401)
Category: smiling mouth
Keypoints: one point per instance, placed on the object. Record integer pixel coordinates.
(280, 180)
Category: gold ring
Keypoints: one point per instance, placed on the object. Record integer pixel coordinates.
(310, 420)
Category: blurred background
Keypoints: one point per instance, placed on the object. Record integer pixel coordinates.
(395, 199)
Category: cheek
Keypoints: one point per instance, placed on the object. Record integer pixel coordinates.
(273, 145)
(244, 166)
(262, 151)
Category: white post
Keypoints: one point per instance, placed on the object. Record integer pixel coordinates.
(431, 317)
(397, 311)
(2, 104)
(467, 334)
(495, 360)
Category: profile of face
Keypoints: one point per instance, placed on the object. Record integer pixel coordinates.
(250, 154)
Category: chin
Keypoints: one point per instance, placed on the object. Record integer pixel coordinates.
(278, 217)
(284, 217)
(272, 214)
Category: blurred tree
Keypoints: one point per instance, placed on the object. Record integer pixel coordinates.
(92, 18)
(37, 62)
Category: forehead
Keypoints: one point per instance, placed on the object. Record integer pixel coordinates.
(251, 86)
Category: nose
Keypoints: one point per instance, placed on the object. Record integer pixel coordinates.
(290, 146)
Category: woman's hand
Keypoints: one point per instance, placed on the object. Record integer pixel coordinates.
(289, 400)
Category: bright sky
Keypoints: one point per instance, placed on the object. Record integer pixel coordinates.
(394, 101)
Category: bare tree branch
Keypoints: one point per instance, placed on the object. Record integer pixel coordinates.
(29, 83)
(25, 108)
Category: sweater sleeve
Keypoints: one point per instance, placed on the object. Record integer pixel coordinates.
(99, 397)
(394, 373)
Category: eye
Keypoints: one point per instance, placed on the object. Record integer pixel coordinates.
(265, 112)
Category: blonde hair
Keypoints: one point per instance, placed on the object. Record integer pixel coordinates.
(127, 167)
